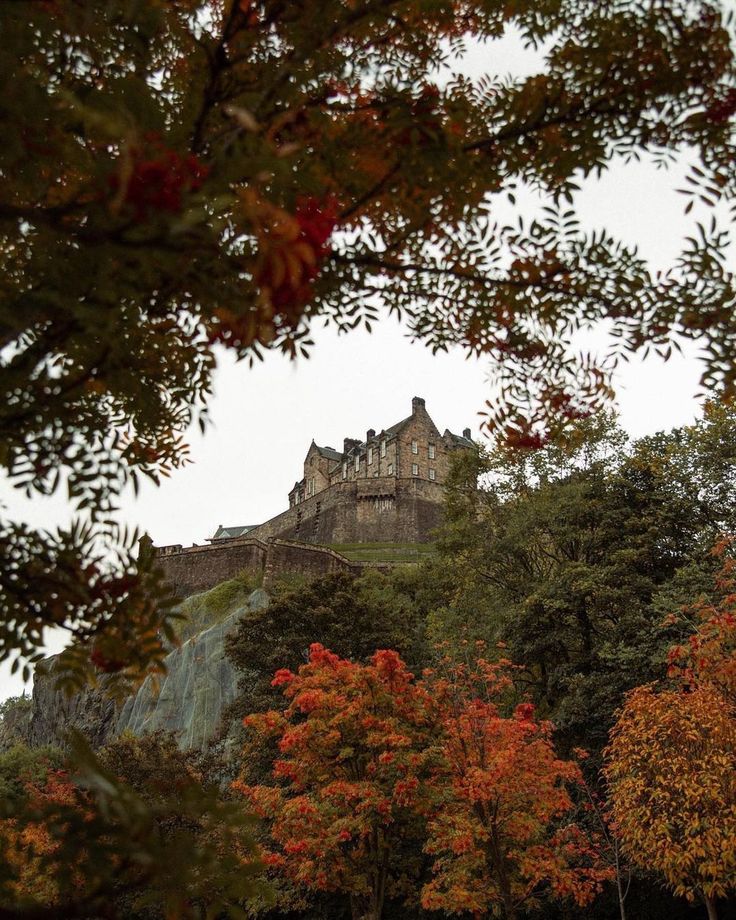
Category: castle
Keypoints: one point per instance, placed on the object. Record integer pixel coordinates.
(388, 488)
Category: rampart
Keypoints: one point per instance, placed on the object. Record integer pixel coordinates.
(378, 510)
(193, 569)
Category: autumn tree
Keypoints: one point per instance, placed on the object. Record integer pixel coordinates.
(341, 812)
(671, 761)
(501, 831)
(670, 768)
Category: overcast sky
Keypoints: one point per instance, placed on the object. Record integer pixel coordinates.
(265, 418)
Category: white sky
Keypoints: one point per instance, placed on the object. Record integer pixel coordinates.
(265, 417)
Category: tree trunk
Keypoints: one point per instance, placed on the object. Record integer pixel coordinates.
(621, 908)
(710, 906)
(619, 886)
(363, 908)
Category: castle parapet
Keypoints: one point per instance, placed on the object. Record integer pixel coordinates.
(198, 568)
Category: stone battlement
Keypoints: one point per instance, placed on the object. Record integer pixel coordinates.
(193, 569)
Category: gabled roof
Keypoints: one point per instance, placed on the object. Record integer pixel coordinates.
(395, 429)
(227, 533)
(458, 440)
(329, 453)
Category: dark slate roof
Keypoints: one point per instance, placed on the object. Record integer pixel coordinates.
(227, 533)
(458, 440)
(329, 453)
(395, 429)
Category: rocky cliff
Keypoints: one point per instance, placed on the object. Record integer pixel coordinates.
(189, 699)
(199, 683)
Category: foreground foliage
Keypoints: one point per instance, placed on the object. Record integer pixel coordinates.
(150, 839)
(502, 830)
(671, 768)
(671, 763)
(373, 768)
(352, 746)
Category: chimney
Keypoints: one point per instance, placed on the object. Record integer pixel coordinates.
(416, 404)
(348, 444)
(466, 434)
(370, 434)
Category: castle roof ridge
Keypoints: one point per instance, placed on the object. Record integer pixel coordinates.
(329, 453)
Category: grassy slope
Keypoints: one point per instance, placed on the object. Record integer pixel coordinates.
(204, 610)
(384, 552)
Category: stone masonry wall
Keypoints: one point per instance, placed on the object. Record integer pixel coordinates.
(299, 559)
(421, 429)
(194, 569)
(379, 510)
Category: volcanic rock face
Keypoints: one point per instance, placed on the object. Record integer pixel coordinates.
(200, 682)
(189, 699)
(54, 714)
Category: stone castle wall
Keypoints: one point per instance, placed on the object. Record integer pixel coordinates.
(288, 556)
(193, 569)
(378, 510)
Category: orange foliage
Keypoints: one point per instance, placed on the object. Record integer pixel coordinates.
(500, 829)
(709, 656)
(671, 769)
(370, 760)
(351, 744)
(290, 250)
(671, 761)
(29, 846)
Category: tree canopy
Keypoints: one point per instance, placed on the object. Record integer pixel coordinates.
(574, 555)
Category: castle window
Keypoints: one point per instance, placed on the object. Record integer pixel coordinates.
(390, 469)
(344, 471)
(370, 456)
(357, 462)
(431, 452)
(383, 448)
(414, 447)
(432, 475)
(414, 469)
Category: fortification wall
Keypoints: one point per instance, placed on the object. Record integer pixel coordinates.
(303, 559)
(378, 510)
(193, 569)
